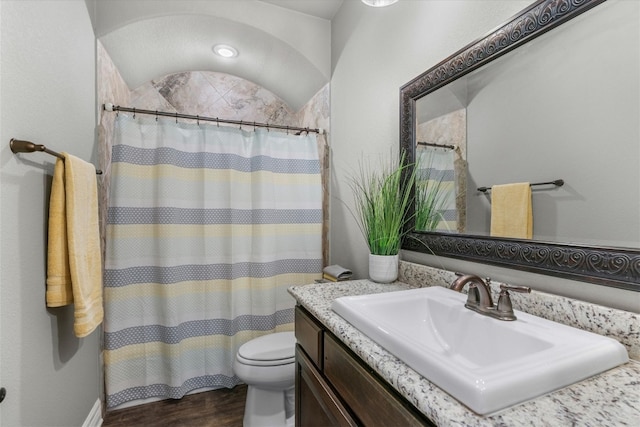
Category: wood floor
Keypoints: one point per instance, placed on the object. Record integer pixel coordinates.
(219, 408)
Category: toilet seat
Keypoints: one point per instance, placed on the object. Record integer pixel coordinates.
(268, 350)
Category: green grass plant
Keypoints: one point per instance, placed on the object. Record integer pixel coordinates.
(381, 202)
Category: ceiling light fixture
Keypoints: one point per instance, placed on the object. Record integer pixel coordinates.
(225, 51)
(379, 3)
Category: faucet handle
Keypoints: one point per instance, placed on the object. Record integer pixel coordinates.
(504, 307)
(523, 289)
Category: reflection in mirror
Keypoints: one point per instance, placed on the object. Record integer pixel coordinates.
(437, 205)
(441, 145)
(548, 111)
(562, 106)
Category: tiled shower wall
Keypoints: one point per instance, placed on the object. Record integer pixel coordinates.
(207, 94)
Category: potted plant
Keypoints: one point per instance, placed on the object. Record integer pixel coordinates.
(382, 197)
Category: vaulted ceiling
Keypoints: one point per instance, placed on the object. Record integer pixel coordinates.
(283, 45)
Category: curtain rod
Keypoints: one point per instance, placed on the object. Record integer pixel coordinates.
(116, 108)
(433, 144)
(20, 146)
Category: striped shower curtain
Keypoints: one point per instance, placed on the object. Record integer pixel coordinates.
(207, 228)
(436, 178)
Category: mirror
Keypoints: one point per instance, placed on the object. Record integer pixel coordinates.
(573, 119)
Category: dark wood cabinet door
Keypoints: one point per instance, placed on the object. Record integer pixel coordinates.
(369, 398)
(316, 404)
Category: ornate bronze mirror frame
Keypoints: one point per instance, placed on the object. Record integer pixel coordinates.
(607, 266)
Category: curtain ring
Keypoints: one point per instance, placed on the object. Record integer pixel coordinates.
(176, 118)
(156, 115)
(217, 122)
(254, 126)
(240, 125)
(198, 120)
(134, 112)
(287, 130)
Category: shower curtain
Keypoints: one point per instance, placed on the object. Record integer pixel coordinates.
(436, 172)
(207, 228)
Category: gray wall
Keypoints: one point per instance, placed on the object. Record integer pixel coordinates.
(374, 52)
(47, 96)
(540, 114)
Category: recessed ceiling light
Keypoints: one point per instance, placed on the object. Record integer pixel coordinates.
(378, 3)
(225, 51)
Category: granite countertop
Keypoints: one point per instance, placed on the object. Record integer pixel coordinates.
(611, 398)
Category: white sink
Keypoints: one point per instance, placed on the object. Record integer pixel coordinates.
(485, 363)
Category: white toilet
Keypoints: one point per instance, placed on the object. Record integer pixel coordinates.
(267, 365)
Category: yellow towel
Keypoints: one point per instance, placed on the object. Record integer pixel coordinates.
(59, 291)
(82, 242)
(511, 211)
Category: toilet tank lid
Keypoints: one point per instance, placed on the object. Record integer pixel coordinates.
(277, 346)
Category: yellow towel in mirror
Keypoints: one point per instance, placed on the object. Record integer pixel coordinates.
(511, 211)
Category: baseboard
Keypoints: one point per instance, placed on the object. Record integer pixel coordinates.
(94, 419)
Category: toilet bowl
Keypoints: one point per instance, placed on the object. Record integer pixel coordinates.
(267, 365)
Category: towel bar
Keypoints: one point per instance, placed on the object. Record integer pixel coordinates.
(20, 146)
(557, 183)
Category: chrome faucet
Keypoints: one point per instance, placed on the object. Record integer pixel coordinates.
(479, 296)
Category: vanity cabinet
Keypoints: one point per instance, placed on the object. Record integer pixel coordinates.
(334, 387)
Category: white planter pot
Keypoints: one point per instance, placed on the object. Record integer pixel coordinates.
(383, 268)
